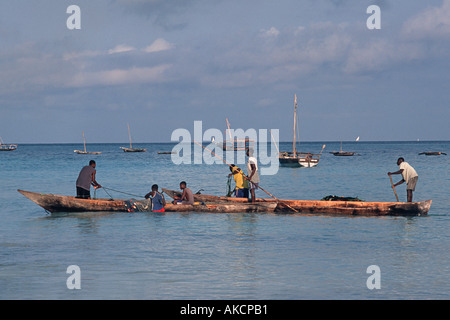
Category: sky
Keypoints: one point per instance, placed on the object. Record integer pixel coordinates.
(160, 65)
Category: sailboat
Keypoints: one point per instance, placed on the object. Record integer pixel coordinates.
(298, 159)
(131, 149)
(85, 152)
(235, 144)
(7, 147)
(344, 153)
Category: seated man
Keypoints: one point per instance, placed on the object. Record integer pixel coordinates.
(187, 197)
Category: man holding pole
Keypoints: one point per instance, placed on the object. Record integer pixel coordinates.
(409, 175)
(252, 174)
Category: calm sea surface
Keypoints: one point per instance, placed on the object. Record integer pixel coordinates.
(223, 256)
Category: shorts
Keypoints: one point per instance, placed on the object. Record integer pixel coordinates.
(83, 193)
(160, 210)
(411, 185)
(252, 185)
(241, 193)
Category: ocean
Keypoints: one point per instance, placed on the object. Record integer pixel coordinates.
(247, 256)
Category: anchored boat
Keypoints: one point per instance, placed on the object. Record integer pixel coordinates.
(7, 147)
(131, 149)
(294, 158)
(85, 152)
(341, 153)
(433, 153)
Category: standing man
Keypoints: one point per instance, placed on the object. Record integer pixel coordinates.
(409, 175)
(241, 189)
(85, 179)
(252, 174)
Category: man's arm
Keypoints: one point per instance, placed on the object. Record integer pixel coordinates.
(396, 172)
(95, 183)
(253, 167)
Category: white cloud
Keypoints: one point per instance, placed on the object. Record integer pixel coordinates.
(159, 45)
(431, 23)
(271, 33)
(121, 48)
(83, 54)
(118, 76)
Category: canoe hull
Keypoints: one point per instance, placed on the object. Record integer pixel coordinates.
(222, 207)
(329, 207)
(125, 149)
(291, 161)
(59, 203)
(86, 152)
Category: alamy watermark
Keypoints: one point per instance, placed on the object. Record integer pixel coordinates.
(212, 147)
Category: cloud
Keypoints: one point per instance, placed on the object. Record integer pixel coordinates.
(432, 23)
(118, 76)
(120, 49)
(159, 45)
(272, 32)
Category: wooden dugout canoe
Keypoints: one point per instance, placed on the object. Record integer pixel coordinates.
(60, 203)
(329, 207)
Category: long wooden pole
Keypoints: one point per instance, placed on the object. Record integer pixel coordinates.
(258, 185)
(393, 188)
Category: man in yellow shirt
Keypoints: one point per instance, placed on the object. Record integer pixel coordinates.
(241, 189)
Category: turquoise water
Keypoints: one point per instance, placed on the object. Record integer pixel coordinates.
(223, 256)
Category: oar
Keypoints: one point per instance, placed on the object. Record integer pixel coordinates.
(258, 185)
(393, 188)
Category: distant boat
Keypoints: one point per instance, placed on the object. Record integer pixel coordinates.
(166, 152)
(131, 149)
(433, 153)
(85, 152)
(7, 147)
(294, 158)
(343, 153)
(234, 144)
(357, 139)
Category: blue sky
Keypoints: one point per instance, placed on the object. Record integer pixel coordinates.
(160, 65)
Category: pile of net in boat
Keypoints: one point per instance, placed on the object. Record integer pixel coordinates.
(338, 198)
(133, 205)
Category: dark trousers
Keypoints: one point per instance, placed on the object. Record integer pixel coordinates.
(83, 193)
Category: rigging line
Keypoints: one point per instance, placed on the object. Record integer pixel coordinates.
(130, 194)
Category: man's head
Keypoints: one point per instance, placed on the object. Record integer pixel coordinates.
(182, 184)
(92, 163)
(400, 160)
(234, 169)
(155, 187)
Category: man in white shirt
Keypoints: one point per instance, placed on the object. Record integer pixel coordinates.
(409, 175)
(252, 174)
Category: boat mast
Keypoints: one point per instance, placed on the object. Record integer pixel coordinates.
(129, 134)
(229, 130)
(84, 142)
(295, 118)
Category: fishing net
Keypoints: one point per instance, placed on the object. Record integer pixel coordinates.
(133, 205)
(338, 198)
